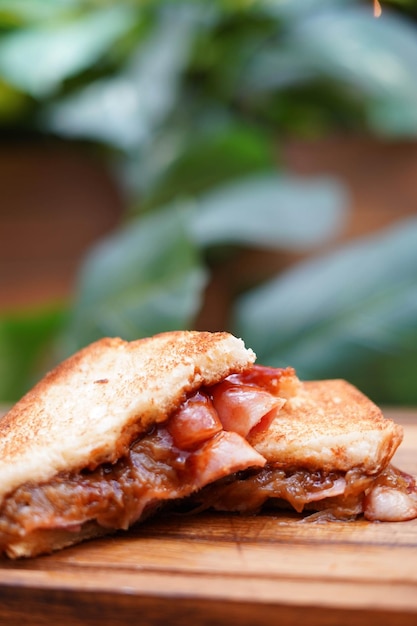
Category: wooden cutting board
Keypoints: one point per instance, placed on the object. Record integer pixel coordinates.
(225, 569)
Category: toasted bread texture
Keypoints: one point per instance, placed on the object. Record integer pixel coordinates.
(93, 405)
(331, 426)
(40, 542)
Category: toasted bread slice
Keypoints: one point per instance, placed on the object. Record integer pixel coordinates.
(89, 409)
(329, 426)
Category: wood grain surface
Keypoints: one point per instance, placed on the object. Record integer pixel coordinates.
(226, 569)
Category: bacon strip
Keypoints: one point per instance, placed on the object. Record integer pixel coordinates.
(221, 456)
(241, 407)
(387, 504)
(194, 422)
(336, 489)
(393, 497)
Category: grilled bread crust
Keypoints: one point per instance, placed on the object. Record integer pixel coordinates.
(40, 542)
(94, 404)
(330, 426)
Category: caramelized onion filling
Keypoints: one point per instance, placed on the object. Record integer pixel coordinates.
(333, 495)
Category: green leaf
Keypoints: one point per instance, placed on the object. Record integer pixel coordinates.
(25, 340)
(394, 117)
(271, 210)
(294, 10)
(38, 59)
(350, 313)
(144, 279)
(377, 57)
(13, 104)
(18, 12)
(126, 109)
(205, 162)
(371, 61)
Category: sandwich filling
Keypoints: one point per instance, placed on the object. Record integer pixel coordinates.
(390, 495)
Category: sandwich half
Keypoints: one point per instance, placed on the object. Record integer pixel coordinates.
(117, 430)
(328, 450)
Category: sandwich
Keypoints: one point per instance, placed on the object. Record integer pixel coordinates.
(121, 429)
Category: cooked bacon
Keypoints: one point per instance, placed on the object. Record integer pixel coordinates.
(390, 505)
(278, 381)
(241, 407)
(194, 422)
(224, 454)
(393, 497)
(238, 404)
(336, 489)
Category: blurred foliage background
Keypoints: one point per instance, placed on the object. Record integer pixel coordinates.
(198, 110)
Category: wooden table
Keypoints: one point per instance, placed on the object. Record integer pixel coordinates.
(225, 569)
